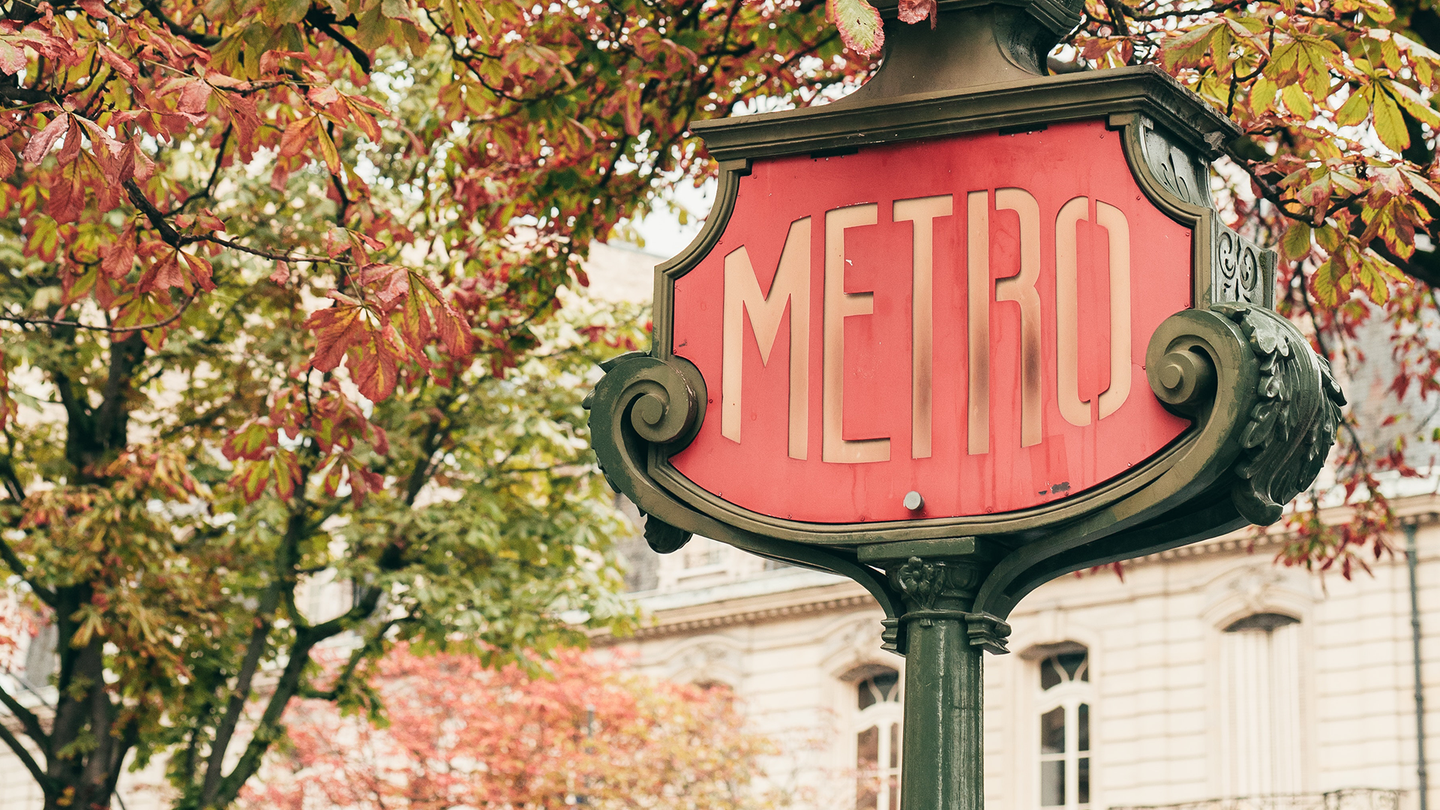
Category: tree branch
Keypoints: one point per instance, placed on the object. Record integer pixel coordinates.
(113, 330)
(269, 726)
(27, 718)
(320, 19)
(155, 216)
(23, 754)
(176, 28)
(264, 619)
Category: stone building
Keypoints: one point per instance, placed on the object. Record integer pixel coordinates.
(1208, 677)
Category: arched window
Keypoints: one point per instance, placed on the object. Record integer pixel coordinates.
(1260, 706)
(877, 741)
(1064, 707)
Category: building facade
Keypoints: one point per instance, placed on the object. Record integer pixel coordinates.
(1207, 677)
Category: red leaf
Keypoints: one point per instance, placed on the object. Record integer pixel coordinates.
(386, 282)
(39, 146)
(335, 330)
(913, 11)
(194, 97)
(135, 163)
(377, 369)
(363, 119)
(296, 136)
(379, 439)
(323, 96)
(162, 275)
(7, 160)
(244, 115)
(119, 258)
(200, 271)
(67, 193)
(12, 59)
(123, 66)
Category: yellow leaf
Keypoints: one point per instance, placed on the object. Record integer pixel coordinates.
(1390, 55)
(1297, 101)
(1262, 95)
(328, 151)
(1415, 104)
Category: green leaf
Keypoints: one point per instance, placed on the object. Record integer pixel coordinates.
(1323, 283)
(859, 24)
(1389, 123)
(1355, 109)
(1296, 242)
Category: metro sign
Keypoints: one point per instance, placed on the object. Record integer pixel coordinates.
(998, 323)
(966, 319)
(968, 329)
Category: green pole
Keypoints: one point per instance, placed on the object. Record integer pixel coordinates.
(943, 762)
(944, 739)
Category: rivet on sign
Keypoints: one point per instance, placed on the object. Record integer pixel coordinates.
(913, 501)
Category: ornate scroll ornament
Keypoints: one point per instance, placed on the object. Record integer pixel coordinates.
(1241, 268)
(1182, 174)
(643, 401)
(925, 584)
(1293, 420)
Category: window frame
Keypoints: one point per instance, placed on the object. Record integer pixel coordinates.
(1069, 695)
(887, 717)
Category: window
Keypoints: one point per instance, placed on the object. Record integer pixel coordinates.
(877, 742)
(1260, 680)
(1064, 705)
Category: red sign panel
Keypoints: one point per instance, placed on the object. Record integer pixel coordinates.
(964, 318)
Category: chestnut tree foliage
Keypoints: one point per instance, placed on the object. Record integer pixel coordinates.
(280, 302)
(462, 735)
(1336, 170)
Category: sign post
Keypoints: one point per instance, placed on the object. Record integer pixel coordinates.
(966, 330)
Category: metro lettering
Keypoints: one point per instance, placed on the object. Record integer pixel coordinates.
(791, 288)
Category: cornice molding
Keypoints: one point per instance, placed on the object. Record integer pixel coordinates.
(801, 607)
(810, 600)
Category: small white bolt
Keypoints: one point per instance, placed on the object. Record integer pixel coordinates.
(913, 501)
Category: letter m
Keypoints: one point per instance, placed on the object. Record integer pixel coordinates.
(742, 293)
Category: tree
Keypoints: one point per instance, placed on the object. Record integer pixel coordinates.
(1336, 170)
(461, 735)
(279, 299)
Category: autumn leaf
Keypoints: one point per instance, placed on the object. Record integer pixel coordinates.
(248, 442)
(375, 363)
(913, 11)
(1389, 124)
(859, 24)
(298, 134)
(12, 59)
(1296, 242)
(40, 144)
(336, 328)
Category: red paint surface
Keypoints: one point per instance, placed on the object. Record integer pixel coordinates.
(1054, 165)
